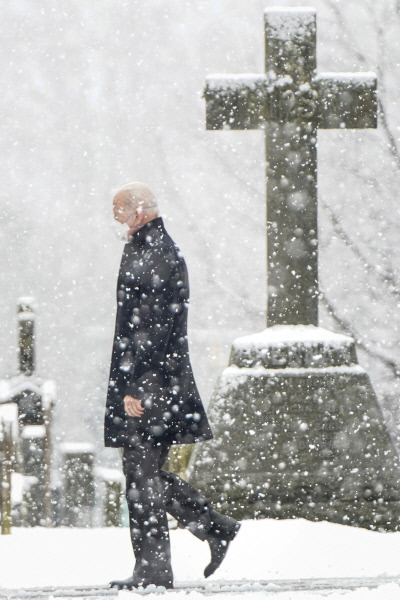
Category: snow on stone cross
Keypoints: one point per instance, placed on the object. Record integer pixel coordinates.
(290, 101)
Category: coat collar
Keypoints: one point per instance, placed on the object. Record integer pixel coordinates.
(147, 232)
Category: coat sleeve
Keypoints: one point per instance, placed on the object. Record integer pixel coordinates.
(161, 296)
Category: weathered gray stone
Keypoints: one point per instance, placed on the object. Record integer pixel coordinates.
(78, 484)
(32, 443)
(110, 490)
(298, 428)
(26, 334)
(6, 448)
(291, 101)
(298, 433)
(33, 398)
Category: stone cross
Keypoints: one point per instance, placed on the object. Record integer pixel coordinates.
(291, 101)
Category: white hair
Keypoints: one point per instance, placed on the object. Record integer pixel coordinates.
(138, 195)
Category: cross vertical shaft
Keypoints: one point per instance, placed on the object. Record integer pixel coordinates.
(291, 161)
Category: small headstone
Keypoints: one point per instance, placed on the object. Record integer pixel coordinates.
(110, 487)
(7, 458)
(77, 483)
(32, 446)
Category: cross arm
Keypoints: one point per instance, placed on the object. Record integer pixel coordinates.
(346, 100)
(236, 101)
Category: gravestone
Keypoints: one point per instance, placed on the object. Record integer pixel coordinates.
(32, 444)
(78, 487)
(7, 449)
(298, 428)
(110, 490)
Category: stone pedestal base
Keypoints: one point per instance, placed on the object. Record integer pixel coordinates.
(298, 433)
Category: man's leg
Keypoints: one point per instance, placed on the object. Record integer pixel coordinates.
(191, 508)
(147, 513)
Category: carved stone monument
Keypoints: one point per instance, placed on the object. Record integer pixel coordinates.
(34, 397)
(298, 428)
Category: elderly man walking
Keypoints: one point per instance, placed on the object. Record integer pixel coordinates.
(152, 400)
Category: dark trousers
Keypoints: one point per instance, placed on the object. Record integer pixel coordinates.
(150, 494)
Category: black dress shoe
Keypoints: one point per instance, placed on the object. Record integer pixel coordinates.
(219, 547)
(139, 582)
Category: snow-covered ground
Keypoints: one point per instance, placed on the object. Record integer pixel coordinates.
(263, 550)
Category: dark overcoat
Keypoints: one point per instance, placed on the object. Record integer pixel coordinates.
(150, 355)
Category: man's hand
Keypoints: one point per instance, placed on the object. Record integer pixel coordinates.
(133, 406)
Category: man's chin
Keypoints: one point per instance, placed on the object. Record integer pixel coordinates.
(132, 231)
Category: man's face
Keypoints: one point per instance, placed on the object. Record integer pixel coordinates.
(120, 209)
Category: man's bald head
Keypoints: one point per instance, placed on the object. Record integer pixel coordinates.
(134, 204)
(136, 195)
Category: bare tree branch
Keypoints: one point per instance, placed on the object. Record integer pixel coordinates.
(346, 327)
(205, 247)
(387, 277)
(392, 145)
